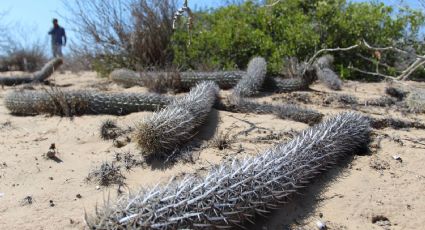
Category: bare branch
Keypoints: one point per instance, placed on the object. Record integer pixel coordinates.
(404, 75)
(316, 55)
(371, 73)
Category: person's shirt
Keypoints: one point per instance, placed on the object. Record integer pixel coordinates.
(57, 34)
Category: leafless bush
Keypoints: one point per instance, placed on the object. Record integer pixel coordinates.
(107, 174)
(123, 33)
(19, 51)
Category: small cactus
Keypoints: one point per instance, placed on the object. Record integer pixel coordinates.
(232, 193)
(383, 101)
(125, 77)
(286, 85)
(224, 79)
(282, 111)
(69, 103)
(174, 125)
(296, 113)
(325, 61)
(36, 77)
(178, 81)
(416, 100)
(395, 92)
(388, 122)
(325, 74)
(341, 99)
(329, 78)
(251, 84)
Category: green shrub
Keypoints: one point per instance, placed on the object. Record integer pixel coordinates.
(226, 38)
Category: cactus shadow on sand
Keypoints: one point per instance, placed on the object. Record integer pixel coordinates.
(302, 205)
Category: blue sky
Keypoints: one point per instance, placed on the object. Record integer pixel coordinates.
(35, 16)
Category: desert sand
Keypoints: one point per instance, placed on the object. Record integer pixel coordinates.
(368, 191)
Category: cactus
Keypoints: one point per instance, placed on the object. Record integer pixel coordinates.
(329, 78)
(36, 77)
(231, 194)
(325, 74)
(383, 101)
(381, 123)
(224, 79)
(162, 81)
(296, 113)
(416, 100)
(282, 111)
(174, 125)
(125, 77)
(344, 99)
(325, 61)
(286, 85)
(69, 103)
(398, 93)
(252, 82)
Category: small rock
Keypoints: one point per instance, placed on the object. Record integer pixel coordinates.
(397, 158)
(51, 153)
(79, 196)
(97, 187)
(321, 225)
(51, 203)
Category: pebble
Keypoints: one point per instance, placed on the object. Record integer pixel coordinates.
(321, 225)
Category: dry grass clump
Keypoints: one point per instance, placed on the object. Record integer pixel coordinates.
(128, 160)
(107, 174)
(109, 130)
(69, 103)
(232, 193)
(221, 140)
(176, 124)
(416, 100)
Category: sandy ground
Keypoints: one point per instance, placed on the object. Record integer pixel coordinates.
(372, 191)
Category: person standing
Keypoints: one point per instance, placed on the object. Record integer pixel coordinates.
(58, 38)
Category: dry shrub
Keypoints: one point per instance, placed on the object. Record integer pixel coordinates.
(24, 59)
(416, 100)
(123, 33)
(107, 174)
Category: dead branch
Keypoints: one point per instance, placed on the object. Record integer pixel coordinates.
(404, 74)
(179, 13)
